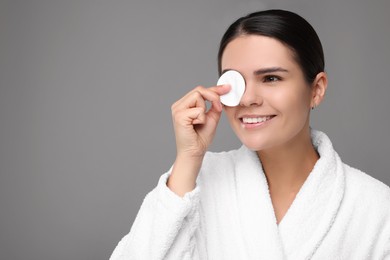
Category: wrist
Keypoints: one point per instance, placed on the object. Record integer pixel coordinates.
(184, 173)
(189, 159)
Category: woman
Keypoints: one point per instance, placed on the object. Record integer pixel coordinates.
(285, 194)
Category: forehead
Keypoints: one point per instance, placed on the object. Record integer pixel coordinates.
(250, 52)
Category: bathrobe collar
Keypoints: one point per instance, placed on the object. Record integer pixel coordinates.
(309, 217)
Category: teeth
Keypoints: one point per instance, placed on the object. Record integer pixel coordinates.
(254, 120)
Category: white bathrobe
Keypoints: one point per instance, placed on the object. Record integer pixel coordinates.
(339, 213)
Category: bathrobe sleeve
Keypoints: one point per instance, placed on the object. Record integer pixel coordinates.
(164, 227)
(387, 251)
(386, 254)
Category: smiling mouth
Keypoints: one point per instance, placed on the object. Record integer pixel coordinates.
(255, 120)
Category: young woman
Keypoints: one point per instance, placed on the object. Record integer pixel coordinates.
(285, 194)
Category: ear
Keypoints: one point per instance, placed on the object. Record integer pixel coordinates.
(319, 87)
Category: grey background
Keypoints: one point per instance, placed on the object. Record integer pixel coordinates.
(85, 95)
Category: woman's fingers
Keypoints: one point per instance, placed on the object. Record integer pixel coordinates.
(195, 126)
(191, 116)
(221, 89)
(198, 96)
(184, 112)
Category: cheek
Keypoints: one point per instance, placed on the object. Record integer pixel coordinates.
(292, 102)
(229, 112)
(292, 107)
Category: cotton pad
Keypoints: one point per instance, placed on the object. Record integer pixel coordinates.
(237, 83)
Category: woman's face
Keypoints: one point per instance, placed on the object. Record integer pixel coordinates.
(276, 103)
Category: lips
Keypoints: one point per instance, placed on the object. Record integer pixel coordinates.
(255, 121)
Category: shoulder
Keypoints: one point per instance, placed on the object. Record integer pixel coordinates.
(364, 183)
(372, 198)
(372, 194)
(358, 183)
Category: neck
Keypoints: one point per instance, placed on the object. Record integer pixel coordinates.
(288, 166)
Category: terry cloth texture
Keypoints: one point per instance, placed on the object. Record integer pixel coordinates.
(339, 213)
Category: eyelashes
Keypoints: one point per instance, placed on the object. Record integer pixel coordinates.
(271, 78)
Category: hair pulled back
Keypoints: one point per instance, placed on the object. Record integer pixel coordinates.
(287, 27)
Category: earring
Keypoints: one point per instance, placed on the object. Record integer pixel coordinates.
(314, 106)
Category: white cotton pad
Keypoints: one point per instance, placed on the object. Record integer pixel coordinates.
(237, 83)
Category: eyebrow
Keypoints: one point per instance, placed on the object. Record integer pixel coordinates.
(269, 70)
(264, 70)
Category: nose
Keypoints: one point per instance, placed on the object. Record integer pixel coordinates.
(251, 96)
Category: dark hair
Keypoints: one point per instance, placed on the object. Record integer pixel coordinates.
(287, 27)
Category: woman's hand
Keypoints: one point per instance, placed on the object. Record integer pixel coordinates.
(194, 131)
(194, 126)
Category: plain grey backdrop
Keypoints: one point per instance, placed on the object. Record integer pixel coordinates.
(85, 93)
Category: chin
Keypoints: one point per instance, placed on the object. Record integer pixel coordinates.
(255, 144)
